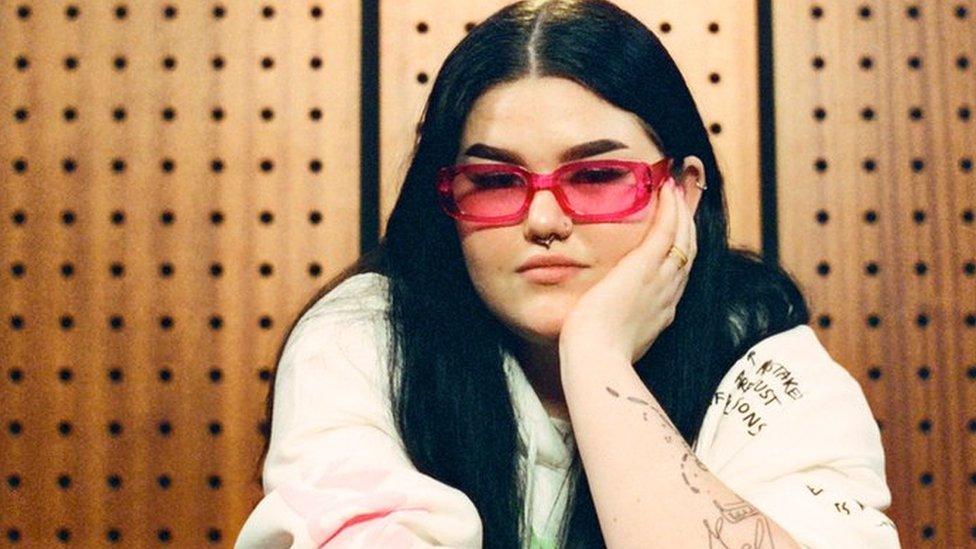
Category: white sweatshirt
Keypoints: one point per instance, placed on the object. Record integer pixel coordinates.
(789, 430)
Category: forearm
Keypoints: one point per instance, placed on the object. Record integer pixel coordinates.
(648, 487)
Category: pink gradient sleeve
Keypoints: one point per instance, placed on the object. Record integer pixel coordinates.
(336, 474)
(359, 508)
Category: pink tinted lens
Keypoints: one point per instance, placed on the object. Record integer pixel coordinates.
(600, 189)
(590, 190)
(488, 193)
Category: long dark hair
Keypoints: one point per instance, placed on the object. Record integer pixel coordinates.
(451, 404)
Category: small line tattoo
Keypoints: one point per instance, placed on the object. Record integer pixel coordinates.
(665, 420)
(732, 529)
(691, 469)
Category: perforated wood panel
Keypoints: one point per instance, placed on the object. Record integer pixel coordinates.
(175, 180)
(875, 146)
(715, 49)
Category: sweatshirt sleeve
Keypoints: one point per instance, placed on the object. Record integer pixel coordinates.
(336, 474)
(791, 432)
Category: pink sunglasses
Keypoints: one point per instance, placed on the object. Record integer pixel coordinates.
(588, 190)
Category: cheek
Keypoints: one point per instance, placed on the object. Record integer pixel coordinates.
(488, 257)
(615, 240)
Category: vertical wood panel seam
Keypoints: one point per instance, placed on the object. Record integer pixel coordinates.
(767, 133)
(369, 134)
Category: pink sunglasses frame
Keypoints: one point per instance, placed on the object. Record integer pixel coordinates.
(650, 178)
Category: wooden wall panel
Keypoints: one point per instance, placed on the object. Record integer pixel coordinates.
(875, 145)
(143, 291)
(142, 305)
(416, 37)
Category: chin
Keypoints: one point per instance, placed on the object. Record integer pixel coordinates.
(543, 328)
(535, 317)
(537, 337)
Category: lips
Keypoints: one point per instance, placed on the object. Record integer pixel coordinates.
(551, 260)
(550, 275)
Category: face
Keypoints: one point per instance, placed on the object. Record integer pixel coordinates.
(536, 120)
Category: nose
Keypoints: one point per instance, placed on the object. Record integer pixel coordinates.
(545, 214)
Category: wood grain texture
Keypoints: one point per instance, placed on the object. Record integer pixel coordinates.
(882, 245)
(181, 426)
(123, 293)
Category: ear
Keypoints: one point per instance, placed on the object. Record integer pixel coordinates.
(692, 176)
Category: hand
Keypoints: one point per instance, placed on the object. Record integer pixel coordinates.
(625, 311)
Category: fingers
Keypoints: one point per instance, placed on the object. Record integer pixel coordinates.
(692, 232)
(688, 243)
(664, 229)
(675, 230)
(683, 236)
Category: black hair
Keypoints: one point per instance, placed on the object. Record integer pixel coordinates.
(451, 405)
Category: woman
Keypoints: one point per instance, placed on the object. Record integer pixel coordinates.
(663, 391)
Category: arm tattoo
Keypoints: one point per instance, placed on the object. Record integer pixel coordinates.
(731, 529)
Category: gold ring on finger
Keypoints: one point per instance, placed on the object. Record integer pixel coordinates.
(682, 258)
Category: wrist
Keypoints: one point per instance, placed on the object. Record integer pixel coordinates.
(581, 357)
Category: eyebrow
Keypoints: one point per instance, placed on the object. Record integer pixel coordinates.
(583, 150)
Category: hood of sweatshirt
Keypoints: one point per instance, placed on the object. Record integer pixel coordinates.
(546, 451)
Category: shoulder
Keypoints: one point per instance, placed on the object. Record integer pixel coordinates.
(783, 370)
(361, 295)
(359, 300)
(347, 325)
(786, 389)
(790, 430)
